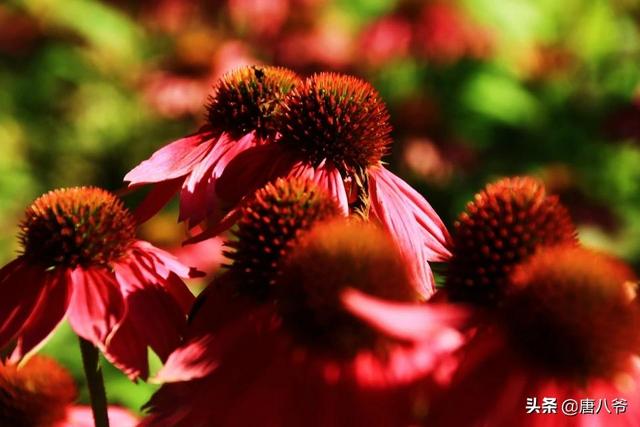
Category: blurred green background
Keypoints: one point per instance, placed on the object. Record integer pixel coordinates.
(477, 89)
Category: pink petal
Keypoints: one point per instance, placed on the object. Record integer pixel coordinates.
(21, 286)
(46, 316)
(402, 211)
(189, 362)
(411, 322)
(96, 305)
(172, 161)
(198, 198)
(251, 170)
(152, 301)
(388, 210)
(159, 196)
(127, 350)
(224, 224)
(412, 206)
(164, 263)
(220, 318)
(82, 416)
(327, 177)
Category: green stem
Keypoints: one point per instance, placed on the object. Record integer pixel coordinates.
(95, 382)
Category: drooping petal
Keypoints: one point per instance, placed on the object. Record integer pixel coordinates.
(46, 316)
(394, 205)
(198, 198)
(172, 161)
(159, 196)
(150, 300)
(326, 176)
(414, 322)
(251, 170)
(96, 305)
(189, 362)
(127, 350)
(412, 206)
(21, 286)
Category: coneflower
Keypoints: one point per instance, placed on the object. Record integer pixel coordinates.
(241, 113)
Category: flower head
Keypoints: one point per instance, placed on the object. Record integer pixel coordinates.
(319, 363)
(334, 130)
(330, 257)
(268, 226)
(505, 223)
(250, 99)
(241, 114)
(574, 313)
(336, 118)
(36, 394)
(81, 260)
(567, 330)
(40, 393)
(81, 226)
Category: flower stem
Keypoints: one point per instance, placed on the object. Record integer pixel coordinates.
(93, 373)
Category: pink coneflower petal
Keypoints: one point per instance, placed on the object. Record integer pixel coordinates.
(96, 305)
(223, 225)
(21, 287)
(405, 321)
(156, 199)
(172, 161)
(433, 231)
(82, 416)
(251, 170)
(414, 225)
(46, 316)
(198, 189)
(127, 350)
(161, 262)
(327, 177)
(189, 362)
(217, 306)
(200, 356)
(148, 300)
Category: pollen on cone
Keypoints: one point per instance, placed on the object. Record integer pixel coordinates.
(76, 226)
(250, 99)
(505, 223)
(339, 118)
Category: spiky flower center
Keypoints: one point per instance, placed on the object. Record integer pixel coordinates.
(503, 225)
(574, 313)
(80, 226)
(36, 394)
(269, 224)
(339, 118)
(332, 256)
(249, 99)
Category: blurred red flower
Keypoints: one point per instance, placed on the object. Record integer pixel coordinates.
(40, 393)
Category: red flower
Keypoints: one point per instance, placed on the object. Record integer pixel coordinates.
(301, 358)
(334, 131)
(568, 331)
(81, 261)
(41, 393)
(242, 107)
(445, 34)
